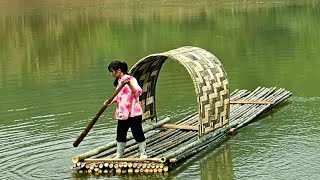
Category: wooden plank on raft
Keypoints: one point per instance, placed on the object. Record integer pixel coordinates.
(251, 102)
(179, 126)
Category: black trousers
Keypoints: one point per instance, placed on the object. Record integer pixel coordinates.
(135, 123)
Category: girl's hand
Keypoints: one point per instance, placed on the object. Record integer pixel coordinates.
(127, 80)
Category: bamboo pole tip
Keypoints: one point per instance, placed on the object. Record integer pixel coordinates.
(75, 159)
(163, 159)
(232, 131)
(173, 160)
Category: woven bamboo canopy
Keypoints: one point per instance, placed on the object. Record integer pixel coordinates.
(209, 79)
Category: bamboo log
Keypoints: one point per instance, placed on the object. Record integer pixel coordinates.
(206, 137)
(153, 165)
(110, 165)
(182, 136)
(120, 165)
(125, 164)
(134, 165)
(83, 164)
(172, 144)
(144, 165)
(258, 93)
(100, 165)
(161, 165)
(197, 148)
(251, 102)
(116, 166)
(178, 126)
(166, 168)
(118, 170)
(130, 170)
(139, 165)
(106, 164)
(232, 131)
(96, 169)
(254, 110)
(100, 149)
(260, 110)
(125, 160)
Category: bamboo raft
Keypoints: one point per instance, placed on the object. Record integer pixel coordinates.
(219, 114)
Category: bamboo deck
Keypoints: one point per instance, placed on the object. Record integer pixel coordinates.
(169, 144)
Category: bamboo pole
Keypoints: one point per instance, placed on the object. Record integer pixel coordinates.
(125, 160)
(172, 154)
(251, 102)
(254, 109)
(106, 164)
(96, 117)
(258, 110)
(197, 149)
(172, 144)
(240, 109)
(178, 126)
(100, 149)
(166, 168)
(118, 170)
(173, 139)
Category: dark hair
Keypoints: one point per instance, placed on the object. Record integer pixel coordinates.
(115, 66)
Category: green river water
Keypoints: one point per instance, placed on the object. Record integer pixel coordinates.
(53, 79)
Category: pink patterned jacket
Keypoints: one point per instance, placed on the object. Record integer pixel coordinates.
(128, 104)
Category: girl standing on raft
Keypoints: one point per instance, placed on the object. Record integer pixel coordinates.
(128, 111)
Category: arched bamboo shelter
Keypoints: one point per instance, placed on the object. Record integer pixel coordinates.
(208, 76)
(219, 113)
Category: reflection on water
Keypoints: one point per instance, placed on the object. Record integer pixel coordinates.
(53, 79)
(212, 163)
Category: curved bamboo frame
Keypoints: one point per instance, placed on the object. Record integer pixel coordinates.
(209, 79)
